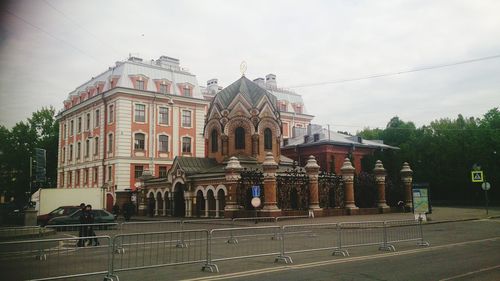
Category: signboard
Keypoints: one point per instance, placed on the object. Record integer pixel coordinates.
(420, 200)
(486, 186)
(477, 176)
(255, 191)
(256, 202)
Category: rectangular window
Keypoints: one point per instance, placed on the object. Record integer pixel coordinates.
(163, 88)
(70, 178)
(139, 84)
(79, 124)
(186, 145)
(64, 131)
(96, 146)
(187, 92)
(139, 141)
(70, 152)
(163, 143)
(186, 118)
(138, 171)
(163, 172)
(86, 176)
(77, 177)
(140, 113)
(110, 143)
(78, 150)
(63, 158)
(163, 116)
(96, 173)
(110, 173)
(97, 118)
(87, 122)
(111, 114)
(71, 127)
(61, 176)
(87, 148)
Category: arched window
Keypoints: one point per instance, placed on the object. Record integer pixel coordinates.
(214, 140)
(268, 139)
(239, 138)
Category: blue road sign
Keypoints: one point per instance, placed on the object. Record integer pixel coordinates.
(256, 191)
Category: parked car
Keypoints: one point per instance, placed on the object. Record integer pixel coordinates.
(61, 211)
(100, 216)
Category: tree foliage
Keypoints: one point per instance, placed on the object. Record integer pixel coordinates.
(443, 153)
(19, 143)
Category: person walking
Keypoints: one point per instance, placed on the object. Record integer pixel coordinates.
(90, 220)
(82, 229)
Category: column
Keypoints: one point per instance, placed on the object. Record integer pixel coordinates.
(164, 205)
(406, 177)
(270, 167)
(255, 145)
(156, 205)
(216, 207)
(206, 206)
(312, 169)
(347, 171)
(171, 198)
(232, 171)
(224, 140)
(380, 174)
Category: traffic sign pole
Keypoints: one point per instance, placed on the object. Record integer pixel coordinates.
(486, 197)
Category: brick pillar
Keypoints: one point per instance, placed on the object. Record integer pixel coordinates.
(406, 177)
(380, 174)
(255, 145)
(312, 169)
(270, 167)
(232, 170)
(347, 171)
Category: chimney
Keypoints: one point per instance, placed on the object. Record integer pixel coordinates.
(135, 59)
(271, 81)
(260, 81)
(212, 86)
(168, 62)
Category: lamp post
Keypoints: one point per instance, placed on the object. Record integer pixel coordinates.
(104, 188)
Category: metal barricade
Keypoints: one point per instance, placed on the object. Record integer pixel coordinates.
(308, 237)
(396, 231)
(299, 218)
(206, 223)
(150, 226)
(20, 233)
(252, 242)
(355, 234)
(158, 249)
(50, 259)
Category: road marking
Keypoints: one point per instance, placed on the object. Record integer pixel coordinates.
(470, 273)
(339, 261)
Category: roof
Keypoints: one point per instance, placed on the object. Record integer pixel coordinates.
(250, 90)
(332, 137)
(195, 165)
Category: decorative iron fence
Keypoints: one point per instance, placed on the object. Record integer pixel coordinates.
(293, 189)
(331, 190)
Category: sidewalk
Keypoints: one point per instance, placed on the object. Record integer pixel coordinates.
(439, 215)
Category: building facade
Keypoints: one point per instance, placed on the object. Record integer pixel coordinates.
(135, 117)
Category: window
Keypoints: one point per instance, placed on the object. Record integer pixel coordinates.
(138, 171)
(139, 141)
(63, 158)
(96, 146)
(268, 139)
(70, 178)
(86, 176)
(87, 148)
(163, 143)
(110, 173)
(139, 84)
(140, 113)
(282, 107)
(77, 177)
(186, 91)
(87, 122)
(110, 143)
(186, 118)
(239, 138)
(298, 109)
(97, 118)
(96, 173)
(79, 124)
(316, 137)
(214, 139)
(111, 114)
(186, 145)
(70, 152)
(163, 116)
(64, 131)
(163, 88)
(71, 127)
(162, 172)
(78, 150)
(61, 176)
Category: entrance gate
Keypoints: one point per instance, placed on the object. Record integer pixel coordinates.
(293, 189)
(249, 178)
(331, 190)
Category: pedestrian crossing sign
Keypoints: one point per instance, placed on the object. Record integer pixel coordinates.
(477, 176)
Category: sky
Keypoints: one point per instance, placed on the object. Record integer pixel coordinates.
(50, 47)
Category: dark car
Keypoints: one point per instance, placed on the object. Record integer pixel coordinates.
(61, 211)
(100, 216)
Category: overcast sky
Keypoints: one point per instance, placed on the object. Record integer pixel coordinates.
(48, 48)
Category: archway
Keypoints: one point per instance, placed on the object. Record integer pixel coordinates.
(211, 203)
(179, 203)
(159, 204)
(200, 204)
(151, 204)
(167, 199)
(221, 197)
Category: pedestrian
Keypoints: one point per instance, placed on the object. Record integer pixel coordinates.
(116, 210)
(90, 220)
(81, 230)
